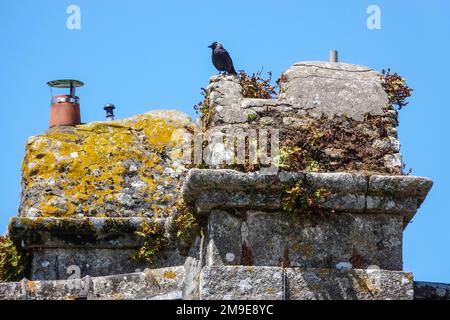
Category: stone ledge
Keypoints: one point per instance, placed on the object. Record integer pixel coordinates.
(68, 232)
(97, 246)
(431, 291)
(209, 189)
(273, 283)
(164, 283)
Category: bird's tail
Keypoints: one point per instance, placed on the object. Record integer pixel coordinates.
(232, 71)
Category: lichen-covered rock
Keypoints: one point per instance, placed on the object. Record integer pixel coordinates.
(276, 283)
(334, 89)
(163, 283)
(431, 291)
(329, 117)
(241, 283)
(121, 168)
(275, 238)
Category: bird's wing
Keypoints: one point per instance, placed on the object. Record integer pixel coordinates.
(230, 61)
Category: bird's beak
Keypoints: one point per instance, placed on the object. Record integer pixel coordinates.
(210, 46)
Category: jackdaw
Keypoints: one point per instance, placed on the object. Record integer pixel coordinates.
(221, 58)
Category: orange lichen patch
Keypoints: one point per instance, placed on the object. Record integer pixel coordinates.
(85, 169)
(306, 250)
(31, 286)
(270, 291)
(169, 275)
(365, 284)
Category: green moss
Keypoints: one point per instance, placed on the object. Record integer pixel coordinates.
(255, 86)
(185, 222)
(12, 262)
(302, 199)
(252, 117)
(153, 241)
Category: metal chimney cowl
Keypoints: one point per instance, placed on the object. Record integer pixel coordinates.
(65, 108)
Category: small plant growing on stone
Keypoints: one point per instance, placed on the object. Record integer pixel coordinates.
(396, 88)
(12, 262)
(301, 198)
(282, 79)
(186, 224)
(203, 108)
(255, 86)
(153, 241)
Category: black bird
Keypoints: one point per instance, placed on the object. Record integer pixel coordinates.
(221, 58)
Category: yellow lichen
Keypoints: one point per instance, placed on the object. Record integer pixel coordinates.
(169, 275)
(306, 250)
(90, 164)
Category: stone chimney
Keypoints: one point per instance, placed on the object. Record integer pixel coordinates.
(299, 197)
(328, 222)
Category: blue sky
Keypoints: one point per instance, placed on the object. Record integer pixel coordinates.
(144, 55)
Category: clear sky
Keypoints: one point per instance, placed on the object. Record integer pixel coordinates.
(144, 55)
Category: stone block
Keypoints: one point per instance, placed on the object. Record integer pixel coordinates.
(334, 89)
(62, 263)
(355, 284)
(263, 238)
(241, 283)
(431, 291)
(223, 239)
(266, 283)
(165, 283)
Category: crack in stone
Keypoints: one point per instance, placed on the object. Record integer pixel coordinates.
(334, 69)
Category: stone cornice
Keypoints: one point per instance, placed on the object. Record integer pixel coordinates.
(208, 189)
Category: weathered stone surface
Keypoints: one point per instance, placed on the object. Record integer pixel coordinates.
(208, 189)
(397, 194)
(75, 289)
(241, 283)
(165, 283)
(313, 95)
(334, 89)
(77, 180)
(223, 239)
(355, 284)
(239, 199)
(431, 291)
(278, 239)
(225, 98)
(94, 232)
(96, 246)
(407, 186)
(152, 284)
(11, 291)
(252, 227)
(193, 265)
(120, 168)
(58, 264)
(347, 190)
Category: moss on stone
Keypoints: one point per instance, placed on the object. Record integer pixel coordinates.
(83, 169)
(12, 261)
(301, 198)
